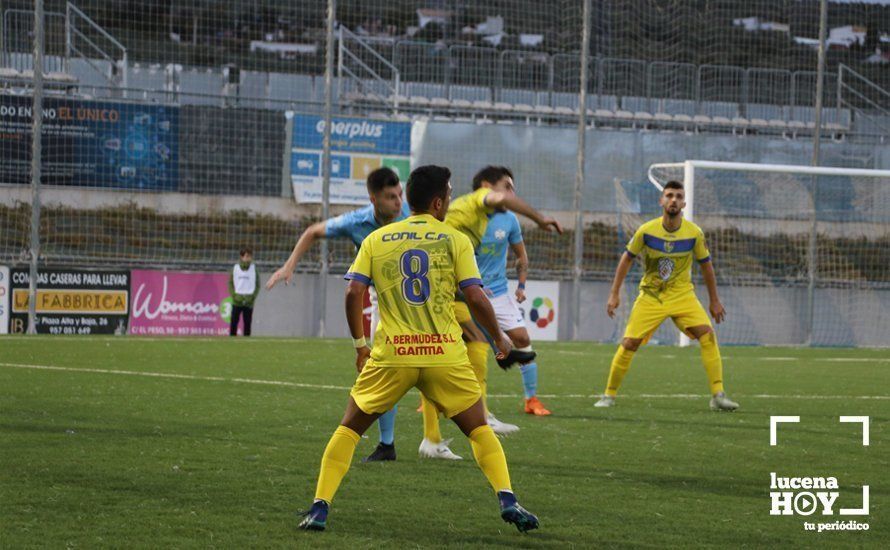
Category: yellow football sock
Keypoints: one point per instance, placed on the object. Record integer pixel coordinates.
(490, 456)
(335, 462)
(710, 358)
(620, 364)
(430, 420)
(478, 355)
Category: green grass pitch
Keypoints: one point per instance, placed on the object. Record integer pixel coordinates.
(218, 445)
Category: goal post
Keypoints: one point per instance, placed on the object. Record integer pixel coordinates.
(801, 252)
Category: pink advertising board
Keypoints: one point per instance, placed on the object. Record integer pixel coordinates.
(175, 303)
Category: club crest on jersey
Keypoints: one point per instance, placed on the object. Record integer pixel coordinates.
(668, 247)
(665, 268)
(500, 234)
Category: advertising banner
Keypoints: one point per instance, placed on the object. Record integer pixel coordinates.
(72, 301)
(92, 143)
(171, 303)
(358, 147)
(4, 299)
(540, 309)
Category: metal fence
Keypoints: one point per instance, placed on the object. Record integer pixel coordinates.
(498, 72)
(451, 69)
(225, 78)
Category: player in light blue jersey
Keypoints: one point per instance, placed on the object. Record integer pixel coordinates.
(387, 206)
(502, 233)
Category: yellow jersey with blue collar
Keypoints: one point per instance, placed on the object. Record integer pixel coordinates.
(417, 265)
(667, 257)
(469, 214)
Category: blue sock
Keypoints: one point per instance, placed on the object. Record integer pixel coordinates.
(529, 379)
(387, 424)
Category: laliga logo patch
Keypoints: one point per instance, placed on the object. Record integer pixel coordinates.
(805, 496)
(665, 267)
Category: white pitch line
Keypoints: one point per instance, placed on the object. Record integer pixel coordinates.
(853, 359)
(814, 359)
(342, 388)
(699, 396)
(767, 396)
(180, 376)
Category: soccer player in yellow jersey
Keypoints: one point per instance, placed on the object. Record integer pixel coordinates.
(471, 213)
(417, 265)
(667, 246)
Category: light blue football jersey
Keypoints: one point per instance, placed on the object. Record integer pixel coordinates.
(491, 255)
(358, 224)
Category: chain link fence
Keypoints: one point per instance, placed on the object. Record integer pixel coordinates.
(168, 138)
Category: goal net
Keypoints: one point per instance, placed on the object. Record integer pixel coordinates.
(801, 253)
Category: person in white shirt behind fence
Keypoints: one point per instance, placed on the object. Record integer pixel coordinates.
(244, 285)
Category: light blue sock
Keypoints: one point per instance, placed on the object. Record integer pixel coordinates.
(529, 379)
(387, 425)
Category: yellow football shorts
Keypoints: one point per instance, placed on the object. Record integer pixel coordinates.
(451, 389)
(648, 313)
(462, 313)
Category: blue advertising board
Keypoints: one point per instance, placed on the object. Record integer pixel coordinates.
(358, 147)
(92, 143)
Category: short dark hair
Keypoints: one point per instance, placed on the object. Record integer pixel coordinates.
(382, 178)
(673, 184)
(425, 184)
(245, 250)
(491, 174)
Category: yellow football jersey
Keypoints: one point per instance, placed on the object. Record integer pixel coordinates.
(469, 215)
(667, 257)
(417, 265)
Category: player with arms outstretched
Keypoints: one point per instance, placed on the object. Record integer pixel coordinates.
(471, 214)
(503, 231)
(668, 245)
(387, 206)
(417, 266)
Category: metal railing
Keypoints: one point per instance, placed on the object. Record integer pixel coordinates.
(354, 66)
(456, 67)
(861, 95)
(88, 41)
(18, 41)
(384, 67)
(67, 36)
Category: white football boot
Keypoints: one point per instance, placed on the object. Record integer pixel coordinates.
(719, 402)
(501, 428)
(605, 401)
(428, 449)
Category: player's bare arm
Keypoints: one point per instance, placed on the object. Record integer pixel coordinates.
(483, 313)
(521, 268)
(624, 265)
(718, 312)
(497, 199)
(355, 292)
(471, 332)
(286, 272)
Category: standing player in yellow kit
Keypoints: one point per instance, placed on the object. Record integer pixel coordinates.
(417, 265)
(493, 191)
(668, 245)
